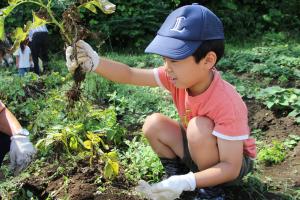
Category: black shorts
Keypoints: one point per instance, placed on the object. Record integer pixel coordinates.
(247, 164)
(4, 146)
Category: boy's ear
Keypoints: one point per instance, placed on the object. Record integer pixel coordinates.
(210, 59)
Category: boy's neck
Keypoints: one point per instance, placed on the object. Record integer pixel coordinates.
(202, 86)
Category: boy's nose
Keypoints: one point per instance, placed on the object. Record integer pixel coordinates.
(168, 68)
(167, 65)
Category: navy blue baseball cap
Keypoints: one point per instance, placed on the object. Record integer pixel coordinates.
(184, 30)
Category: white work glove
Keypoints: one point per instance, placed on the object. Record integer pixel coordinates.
(168, 189)
(86, 57)
(21, 153)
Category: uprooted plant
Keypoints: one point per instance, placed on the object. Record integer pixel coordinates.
(70, 28)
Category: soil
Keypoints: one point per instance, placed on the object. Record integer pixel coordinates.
(277, 126)
(81, 185)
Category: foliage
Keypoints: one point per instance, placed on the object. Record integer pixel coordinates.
(269, 16)
(24, 95)
(280, 62)
(48, 17)
(81, 137)
(276, 97)
(133, 24)
(246, 88)
(141, 162)
(291, 141)
(272, 154)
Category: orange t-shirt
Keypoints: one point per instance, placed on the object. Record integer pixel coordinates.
(220, 102)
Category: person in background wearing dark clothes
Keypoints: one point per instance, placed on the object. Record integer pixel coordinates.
(38, 43)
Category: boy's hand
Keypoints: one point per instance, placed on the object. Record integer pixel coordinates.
(86, 57)
(21, 153)
(168, 189)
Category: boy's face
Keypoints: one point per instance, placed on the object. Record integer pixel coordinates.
(188, 74)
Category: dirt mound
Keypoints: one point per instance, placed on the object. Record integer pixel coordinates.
(83, 182)
(78, 184)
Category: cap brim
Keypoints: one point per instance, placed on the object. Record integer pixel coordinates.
(172, 48)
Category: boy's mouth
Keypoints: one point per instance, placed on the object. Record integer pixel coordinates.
(172, 78)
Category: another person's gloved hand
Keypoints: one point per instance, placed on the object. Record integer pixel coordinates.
(21, 152)
(86, 57)
(168, 189)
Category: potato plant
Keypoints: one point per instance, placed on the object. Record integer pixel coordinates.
(70, 28)
(71, 31)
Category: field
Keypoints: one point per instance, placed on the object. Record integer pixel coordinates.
(109, 118)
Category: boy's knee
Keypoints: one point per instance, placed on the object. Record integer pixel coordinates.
(151, 124)
(199, 128)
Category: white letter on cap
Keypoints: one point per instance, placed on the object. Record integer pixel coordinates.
(178, 25)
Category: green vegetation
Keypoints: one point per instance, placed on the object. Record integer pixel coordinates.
(99, 126)
(272, 154)
(141, 162)
(102, 131)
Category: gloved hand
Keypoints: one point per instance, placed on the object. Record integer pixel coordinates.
(21, 153)
(168, 189)
(86, 57)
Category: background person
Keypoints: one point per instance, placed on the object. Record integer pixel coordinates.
(38, 43)
(23, 59)
(6, 59)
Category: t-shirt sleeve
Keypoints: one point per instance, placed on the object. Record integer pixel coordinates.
(232, 125)
(162, 79)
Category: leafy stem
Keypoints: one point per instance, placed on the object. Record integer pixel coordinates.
(50, 13)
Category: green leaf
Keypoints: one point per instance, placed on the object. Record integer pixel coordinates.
(90, 6)
(5, 11)
(93, 137)
(2, 32)
(13, 2)
(270, 104)
(40, 144)
(73, 143)
(87, 144)
(105, 6)
(111, 169)
(108, 171)
(19, 36)
(115, 167)
(113, 156)
(37, 21)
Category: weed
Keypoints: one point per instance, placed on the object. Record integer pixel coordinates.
(272, 154)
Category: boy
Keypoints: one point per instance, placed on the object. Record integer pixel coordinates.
(212, 139)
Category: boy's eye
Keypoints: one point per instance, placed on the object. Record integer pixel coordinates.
(170, 60)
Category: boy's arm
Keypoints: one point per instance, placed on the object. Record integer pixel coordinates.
(231, 155)
(89, 60)
(228, 169)
(122, 73)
